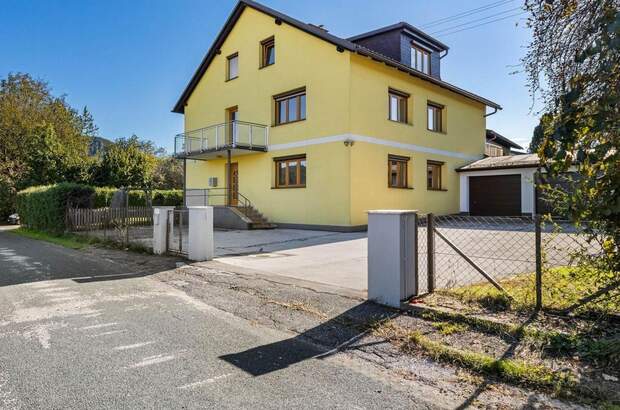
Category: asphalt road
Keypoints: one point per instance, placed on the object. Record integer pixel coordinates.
(77, 331)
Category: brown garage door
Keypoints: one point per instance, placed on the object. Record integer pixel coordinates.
(497, 195)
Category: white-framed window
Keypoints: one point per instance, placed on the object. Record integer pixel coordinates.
(420, 59)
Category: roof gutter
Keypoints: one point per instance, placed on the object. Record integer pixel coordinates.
(491, 113)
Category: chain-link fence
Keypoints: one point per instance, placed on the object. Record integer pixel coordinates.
(124, 226)
(518, 261)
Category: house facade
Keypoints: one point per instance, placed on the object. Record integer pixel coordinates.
(314, 130)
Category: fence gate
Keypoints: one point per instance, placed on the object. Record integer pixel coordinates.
(177, 232)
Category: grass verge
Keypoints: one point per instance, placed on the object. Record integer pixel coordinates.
(603, 351)
(509, 370)
(563, 287)
(72, 241)
(68, 241)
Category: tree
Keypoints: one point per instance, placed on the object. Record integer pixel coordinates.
(31, 118)
(128, 162)
(168, 173)
(573, 66)
(538, 134)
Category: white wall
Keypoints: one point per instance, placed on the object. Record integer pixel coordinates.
(528, 197)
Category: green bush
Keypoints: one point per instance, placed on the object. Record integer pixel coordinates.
(43, 207)
(172, 197)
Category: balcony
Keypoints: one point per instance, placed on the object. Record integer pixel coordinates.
(239, 137)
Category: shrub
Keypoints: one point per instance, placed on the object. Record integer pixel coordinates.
(43, 207)
(171, 197)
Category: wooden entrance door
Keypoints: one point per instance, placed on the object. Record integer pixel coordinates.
(234, 184)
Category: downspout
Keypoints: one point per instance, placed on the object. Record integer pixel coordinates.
(442, 56)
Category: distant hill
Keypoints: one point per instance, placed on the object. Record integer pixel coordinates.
(97, 145)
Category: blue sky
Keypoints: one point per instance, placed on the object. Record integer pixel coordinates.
(128, 61)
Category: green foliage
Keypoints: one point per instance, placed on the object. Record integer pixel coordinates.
(68, 241)
(168, 173)
(41, 137)
(576, 49)
(563, 287)
(172, 197)
(126, 163)
(43, 208)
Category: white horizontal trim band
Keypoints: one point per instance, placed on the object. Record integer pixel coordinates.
(370, 140)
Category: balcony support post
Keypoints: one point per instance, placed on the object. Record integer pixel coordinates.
(228, 179)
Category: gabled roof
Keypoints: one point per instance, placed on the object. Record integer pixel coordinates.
(400, 26)
(500, 139)
(340, 43)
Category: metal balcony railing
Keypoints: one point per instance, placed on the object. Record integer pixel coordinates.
(234, 134)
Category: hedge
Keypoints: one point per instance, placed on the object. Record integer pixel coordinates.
(171, 197)
(43, 207)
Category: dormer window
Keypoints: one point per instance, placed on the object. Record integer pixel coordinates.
(420, 59)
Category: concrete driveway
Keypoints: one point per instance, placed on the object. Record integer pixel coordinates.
(330, 258)
(339, 260)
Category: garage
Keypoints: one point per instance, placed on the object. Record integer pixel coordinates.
(495, 195)
(498, 186)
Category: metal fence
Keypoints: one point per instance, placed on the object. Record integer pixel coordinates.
(507, 259)
(132, 225)
(177, 234)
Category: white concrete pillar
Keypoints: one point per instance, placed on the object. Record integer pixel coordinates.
(392, 256)
(160, 228)
(200, 245)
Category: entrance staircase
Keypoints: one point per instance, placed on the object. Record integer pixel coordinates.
(259, 221)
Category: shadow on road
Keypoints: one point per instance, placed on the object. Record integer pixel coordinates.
(24, 260)
(338, 333)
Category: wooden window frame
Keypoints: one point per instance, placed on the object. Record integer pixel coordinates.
(402, 171)
(423, 52)
(264, 46)
(228, 60)
(294, 94)
(490, 146)
(298, 160)
(437, 165)
(437, 116)
(400, 97)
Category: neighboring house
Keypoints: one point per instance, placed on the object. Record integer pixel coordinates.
(314, 130)
(497, 145)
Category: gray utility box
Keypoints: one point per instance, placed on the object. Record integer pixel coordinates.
(392, 256)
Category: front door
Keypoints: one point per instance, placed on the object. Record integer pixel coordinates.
(234, 184)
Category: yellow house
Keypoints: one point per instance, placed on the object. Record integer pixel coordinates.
(313, 130)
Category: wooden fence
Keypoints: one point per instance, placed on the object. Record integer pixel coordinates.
(105, 218)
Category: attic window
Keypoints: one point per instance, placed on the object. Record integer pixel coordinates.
(420, 59)
(232, 70)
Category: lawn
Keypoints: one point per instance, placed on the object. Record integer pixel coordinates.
(563, 288)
